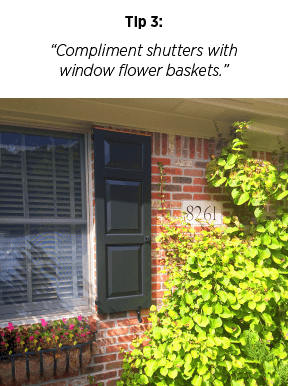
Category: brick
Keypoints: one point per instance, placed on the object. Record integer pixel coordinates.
(181, 196)
(262, 155)
(227, 205)
(112, 382)
(227, 214)
(268, 156)
(199, 181)
(177, 213)
(116, 315)
(105, 341)
(121, 355)
(143, 312)
(139, 328)
(178, 145)
(167, 179)
(151, 134)
(173, 188)
(164, 144)
(212, 190)
(175, 171)
(157, 294)
(191, 188)
(193, 172)
(105, 358)
(117, 331)
(102, 376)
(59, 383)
(156, 286)
(160, 278)
(92, 369)
(173, 204)
(183, 162)
(107, 324)
(126, 338)
(182, 180)
(116, 348)
(201, 165)
(199, 147)
(202, 197)
(222, 197)
(185, 149)
(254, 154)
(206, 149)
(114, 365)
(157, 143)
(156, 229)
(155, 195)
(155, 269)
(192, 147)
(165, 161)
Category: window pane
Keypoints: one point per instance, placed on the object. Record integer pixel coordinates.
(40, 177)
(41, 262)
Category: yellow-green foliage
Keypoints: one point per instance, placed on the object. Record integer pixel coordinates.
(223, 319)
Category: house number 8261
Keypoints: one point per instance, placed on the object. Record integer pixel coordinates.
(195, 211)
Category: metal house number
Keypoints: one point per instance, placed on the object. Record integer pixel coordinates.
(202, 210)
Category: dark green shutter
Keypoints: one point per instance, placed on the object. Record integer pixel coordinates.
(122, 170)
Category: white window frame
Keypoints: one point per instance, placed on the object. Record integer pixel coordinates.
(88, 266)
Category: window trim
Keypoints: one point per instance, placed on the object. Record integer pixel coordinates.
(87, 309)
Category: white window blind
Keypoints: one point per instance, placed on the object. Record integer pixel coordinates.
(43, 225)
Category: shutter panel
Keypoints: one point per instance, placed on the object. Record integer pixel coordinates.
(123, 220)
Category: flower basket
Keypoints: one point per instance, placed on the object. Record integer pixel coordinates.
(74, 361)
(61, 362)
(6, 372)
(20, 370)
(48, 366)
(86, 356)
(34, 369)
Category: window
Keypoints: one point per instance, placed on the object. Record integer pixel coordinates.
(43, 224)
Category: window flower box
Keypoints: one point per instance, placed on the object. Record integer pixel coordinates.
(41, 355)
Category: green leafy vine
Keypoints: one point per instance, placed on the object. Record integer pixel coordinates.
(224, 316)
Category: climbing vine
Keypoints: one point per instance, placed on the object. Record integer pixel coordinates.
(224, 314)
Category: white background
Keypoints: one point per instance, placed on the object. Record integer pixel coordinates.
(29, 67)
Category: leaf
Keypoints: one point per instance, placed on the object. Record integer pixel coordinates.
(151, 367)
(207, 310)
(260, 228)
(235, 193)
(231, 298)
(284, 175)
(217, 382)
(267, 318)
(258, 212)
(281, 195)
(285, 219)
(202, 369)
(164, 371)
(261, 307)
(271, 227)
(143, 379)
(222, 296)
(147, 352)
(220, 182)
(205, 295)
(221, 161)
(215, 323)
(251, 305)
(264, 253)
(197, 380)
(231, 159)
(243, 198)
(218, 309)
(173, 373)
(265, 239)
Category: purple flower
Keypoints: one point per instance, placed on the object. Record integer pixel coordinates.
(43, 322)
